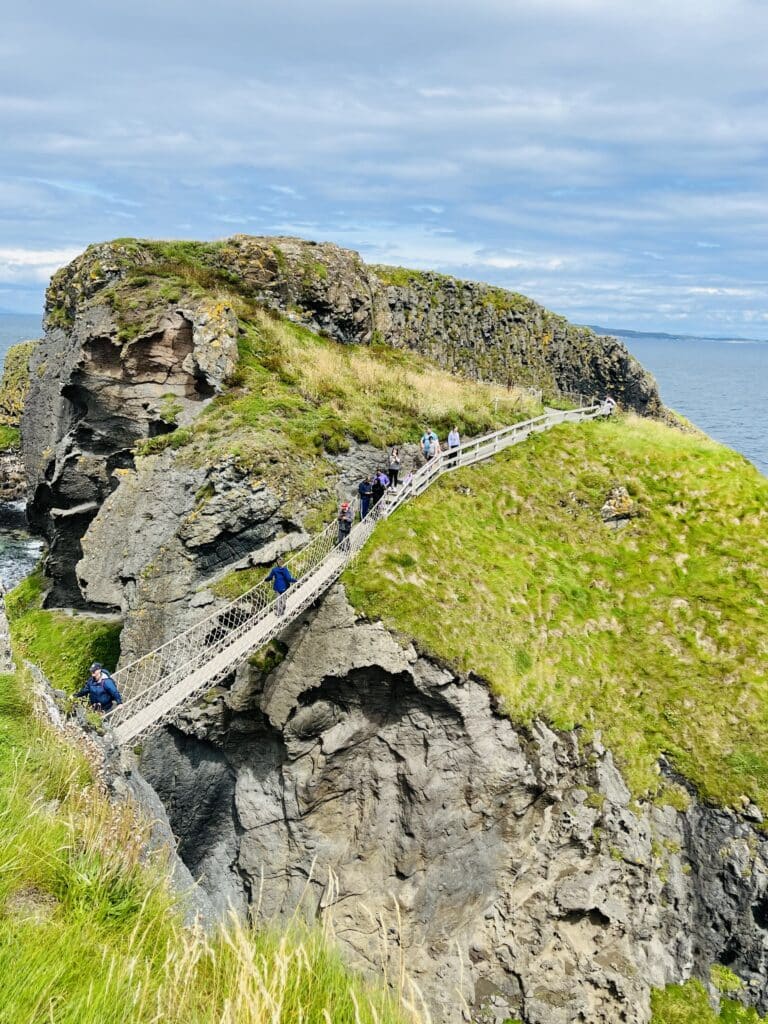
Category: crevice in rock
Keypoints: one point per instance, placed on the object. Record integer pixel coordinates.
(358, 756)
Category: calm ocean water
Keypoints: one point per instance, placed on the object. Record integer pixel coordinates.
(721, 386)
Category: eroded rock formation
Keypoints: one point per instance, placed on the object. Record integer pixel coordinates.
(509, 868)
(139, 338)
(93, 395)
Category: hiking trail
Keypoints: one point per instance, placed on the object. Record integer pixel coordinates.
(160, 684)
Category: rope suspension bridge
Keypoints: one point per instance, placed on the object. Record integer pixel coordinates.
(161, 684)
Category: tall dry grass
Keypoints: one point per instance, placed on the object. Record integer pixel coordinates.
(92, 933)
(357, 380)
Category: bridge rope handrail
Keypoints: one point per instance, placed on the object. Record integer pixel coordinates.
(158, 684)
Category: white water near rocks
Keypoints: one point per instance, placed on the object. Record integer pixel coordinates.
(19, 551)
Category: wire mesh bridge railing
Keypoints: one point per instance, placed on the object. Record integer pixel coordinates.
(159, 685)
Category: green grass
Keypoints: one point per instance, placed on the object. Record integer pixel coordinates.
(403, 277)
(296, 397)
(689, 1004)
(10, 437)
(236, 583)
(91, 934)
(62, 645)
(656, 634)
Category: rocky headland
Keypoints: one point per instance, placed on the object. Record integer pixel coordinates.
(188, 419)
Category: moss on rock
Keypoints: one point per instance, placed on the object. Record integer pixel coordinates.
(15, 384)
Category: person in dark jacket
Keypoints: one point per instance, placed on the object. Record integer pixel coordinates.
(345, 517)
(100, 689)
(377, 487)
(281, 578)
(365, 491)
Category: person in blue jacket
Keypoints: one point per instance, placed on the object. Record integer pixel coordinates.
(100, 689)
(281, 578)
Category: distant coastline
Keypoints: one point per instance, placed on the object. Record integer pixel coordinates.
(622, 332)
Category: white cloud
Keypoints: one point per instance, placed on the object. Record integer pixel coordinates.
(28, 265)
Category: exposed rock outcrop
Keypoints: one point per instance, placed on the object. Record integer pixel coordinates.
(139, 338)
(93, 395)
(13, 482)
(509, 868)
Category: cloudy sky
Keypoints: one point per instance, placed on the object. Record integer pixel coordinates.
(607, 157)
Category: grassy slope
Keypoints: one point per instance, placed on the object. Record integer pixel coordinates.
(91, 934)
(656, 634)
(295, 390)
(62, 645)
(689, 1004)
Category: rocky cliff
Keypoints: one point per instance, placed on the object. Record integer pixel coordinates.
(140, 336)
(344, 770)
(508, 868)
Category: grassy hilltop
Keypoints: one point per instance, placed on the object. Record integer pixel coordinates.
(656, 633)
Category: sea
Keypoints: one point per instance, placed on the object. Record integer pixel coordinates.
(721, 386)
(19, 551)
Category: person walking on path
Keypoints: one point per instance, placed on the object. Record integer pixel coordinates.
(454, 441)
(426, 442)
(377, 487)
(609, 404)
(281, 578)
(365, 492)
(434, 447)
(100, 689)
(346, 515)
(394, 466)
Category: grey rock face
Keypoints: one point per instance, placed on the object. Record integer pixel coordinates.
(13, 482)
(92, 396)
(487, 333)
(165, 534)
(510, 869)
